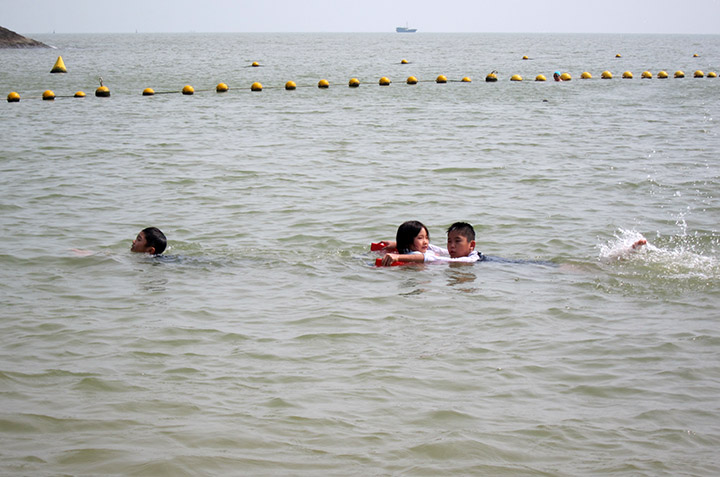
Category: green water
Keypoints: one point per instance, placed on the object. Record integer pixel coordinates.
(266, 343)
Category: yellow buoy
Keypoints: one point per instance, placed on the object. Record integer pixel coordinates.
(699, 74)
(712, 74)
(48, 95)
(565, 77)
(222, 88)
(662, 74)
(80, 94)
(679, 74)
(256, 86)
(441, 79)
(255, 64)
(646, 75)
(516, 78)
(384, 81)
(187, 89)
(525, 57)
(323, 83)
(290, 85)
(491, 77)
(13, 97)
(586, 75)
(466, 79)
(403, 61)
(627, 75)
(354, 82)
(606, 75)
(102, 92)
(412, 80)
(148, 92)
(618, 55)
(540, 78)
(59, 66)
(695, 55)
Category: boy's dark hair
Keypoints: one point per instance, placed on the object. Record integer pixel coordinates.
(406, 234)
(155, 238)
(464, 229)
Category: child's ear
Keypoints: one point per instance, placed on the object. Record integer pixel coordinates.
(472, 245)
(150, 250)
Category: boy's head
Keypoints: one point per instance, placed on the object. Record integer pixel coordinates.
(150, 240)
(460, 240)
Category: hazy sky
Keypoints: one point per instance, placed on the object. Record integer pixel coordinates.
(555, 16)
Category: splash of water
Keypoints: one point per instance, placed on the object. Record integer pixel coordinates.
(677, 257)
(624, 245)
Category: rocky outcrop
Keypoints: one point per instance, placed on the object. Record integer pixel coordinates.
(10, 39)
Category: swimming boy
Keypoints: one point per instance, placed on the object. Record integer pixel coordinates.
(460, 248)
(150, 240)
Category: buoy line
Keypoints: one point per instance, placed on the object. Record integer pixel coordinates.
(188, 90)
(492, 77)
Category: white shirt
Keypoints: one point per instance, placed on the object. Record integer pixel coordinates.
(439, 254)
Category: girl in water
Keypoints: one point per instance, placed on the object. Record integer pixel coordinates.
(411, 243)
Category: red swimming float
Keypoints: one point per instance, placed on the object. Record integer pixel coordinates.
(377, 246)
(378, 263)
(380, 246)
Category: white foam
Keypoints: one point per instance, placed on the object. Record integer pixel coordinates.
(621, 246)
(680, 258)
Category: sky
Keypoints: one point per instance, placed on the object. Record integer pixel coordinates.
(492, 16)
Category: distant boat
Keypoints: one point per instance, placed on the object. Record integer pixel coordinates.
(405, 29)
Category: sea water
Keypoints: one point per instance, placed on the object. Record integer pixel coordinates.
(265, 342)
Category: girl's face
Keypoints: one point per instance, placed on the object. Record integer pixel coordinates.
(421, 241)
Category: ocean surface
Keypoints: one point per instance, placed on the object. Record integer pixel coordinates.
(266, 343)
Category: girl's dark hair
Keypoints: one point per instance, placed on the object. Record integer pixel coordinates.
(406, 234)
(155, 238)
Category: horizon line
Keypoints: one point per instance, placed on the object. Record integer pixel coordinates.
(54, 32)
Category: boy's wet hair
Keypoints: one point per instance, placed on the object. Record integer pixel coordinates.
(155, 238)
(406, 234)
(464, 229)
